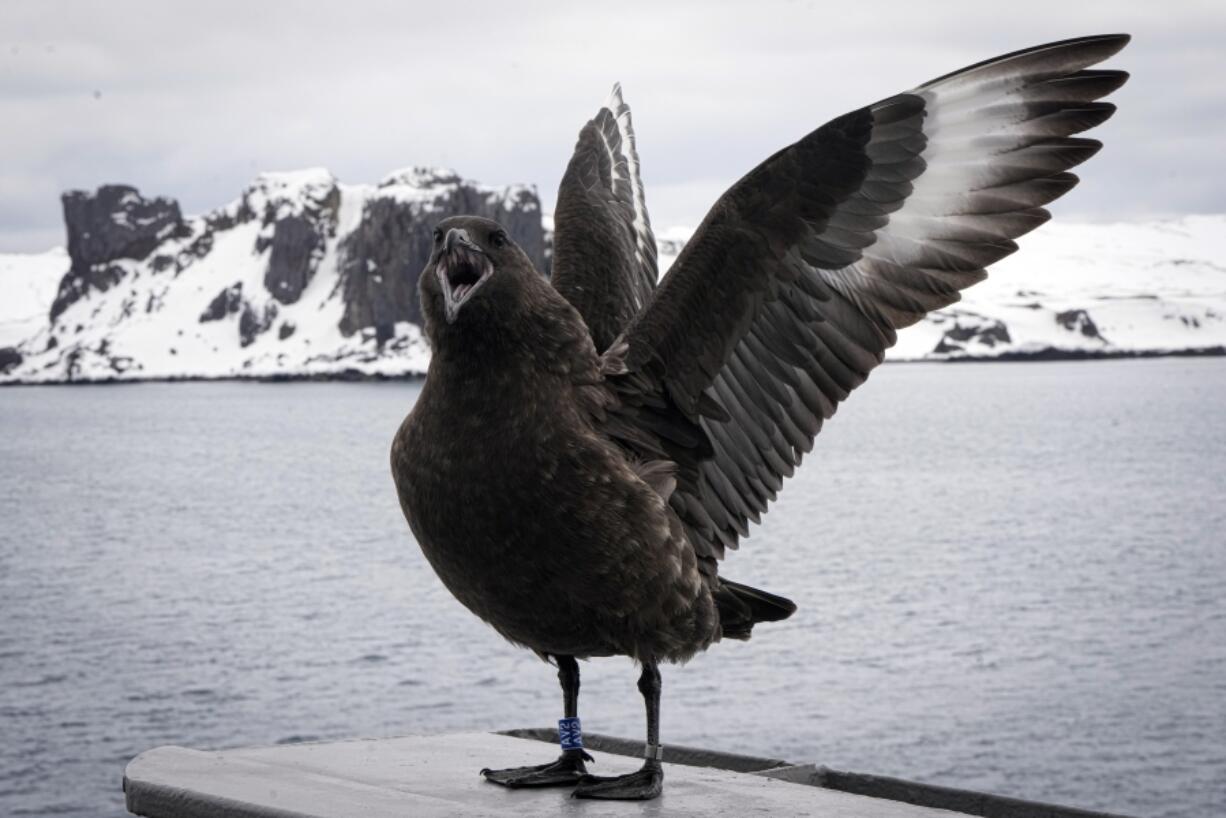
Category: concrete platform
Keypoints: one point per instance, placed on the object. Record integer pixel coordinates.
(430, 776)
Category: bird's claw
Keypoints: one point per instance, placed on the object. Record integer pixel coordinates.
(643, 785)
(566, 771)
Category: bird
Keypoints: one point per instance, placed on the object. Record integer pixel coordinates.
(586, 448)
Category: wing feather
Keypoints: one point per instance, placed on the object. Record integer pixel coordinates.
(604, 260)
(799, 278)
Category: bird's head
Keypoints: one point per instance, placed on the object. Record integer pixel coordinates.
(475, 273)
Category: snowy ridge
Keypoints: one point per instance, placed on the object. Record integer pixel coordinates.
(422, 187)
(202, 305)
(278, 195)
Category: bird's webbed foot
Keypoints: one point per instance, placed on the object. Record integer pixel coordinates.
(643, 785)
(566, 771)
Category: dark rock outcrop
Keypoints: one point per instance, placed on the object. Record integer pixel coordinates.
(299, 216)
(115, 222)
(251, 323)
(9, 358)
(297, 246)
(986, 331)
(76, 285)
(254, 321)
(227, 302)
(380, 262)
(382, 258)
(1079, 321)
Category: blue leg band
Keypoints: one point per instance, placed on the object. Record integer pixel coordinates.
(570, 736)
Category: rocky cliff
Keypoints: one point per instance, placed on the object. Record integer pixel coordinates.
(299, 276)
(114, 223)
(383, 256)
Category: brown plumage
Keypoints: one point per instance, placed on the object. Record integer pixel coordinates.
(585, 450)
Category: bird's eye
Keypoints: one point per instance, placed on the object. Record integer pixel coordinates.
(438, 235)
(498, 238)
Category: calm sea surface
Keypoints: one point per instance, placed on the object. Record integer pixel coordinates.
(1011, 577)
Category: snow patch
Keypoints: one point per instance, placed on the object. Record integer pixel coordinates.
(28, 284)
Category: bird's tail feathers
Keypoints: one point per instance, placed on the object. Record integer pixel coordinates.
(741, 607)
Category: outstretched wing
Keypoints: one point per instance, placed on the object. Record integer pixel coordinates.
(604, 253)
(793, 287)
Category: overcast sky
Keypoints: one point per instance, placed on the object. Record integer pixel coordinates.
(191, 100)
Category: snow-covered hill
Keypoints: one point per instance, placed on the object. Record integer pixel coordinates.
(300, 276)
(1142, 288)
(1130, 288)
(303, 276)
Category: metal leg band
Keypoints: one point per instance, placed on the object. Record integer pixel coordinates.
(653, 751)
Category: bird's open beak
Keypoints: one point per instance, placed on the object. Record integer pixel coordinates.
(462, 268)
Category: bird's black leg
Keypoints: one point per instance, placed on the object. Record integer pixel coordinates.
(648, 782)
(569, 768)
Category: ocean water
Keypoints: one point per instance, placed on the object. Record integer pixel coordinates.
(1011, 578)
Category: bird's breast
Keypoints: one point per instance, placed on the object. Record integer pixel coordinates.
(540, 527)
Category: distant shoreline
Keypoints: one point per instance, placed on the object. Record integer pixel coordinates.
(357, 376)
(1050, 354)
(347, 376)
